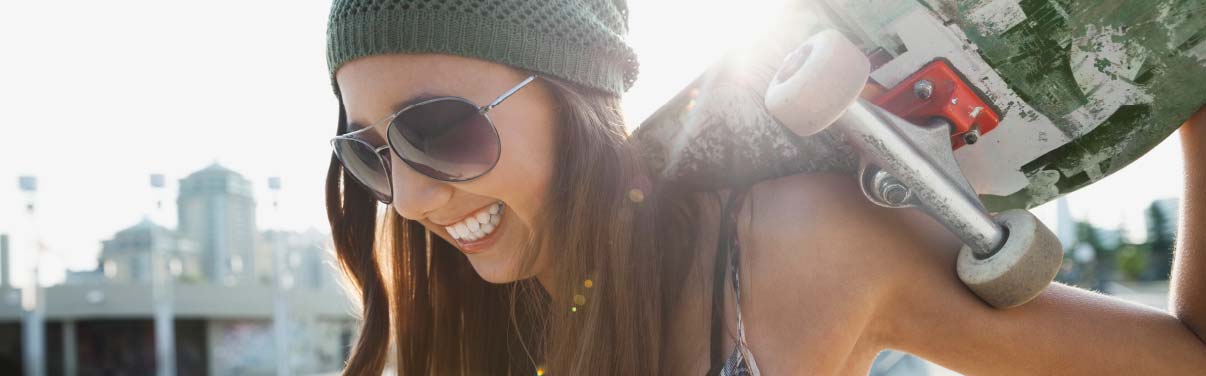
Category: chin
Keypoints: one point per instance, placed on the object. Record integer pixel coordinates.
(497, 270)
(503, 263)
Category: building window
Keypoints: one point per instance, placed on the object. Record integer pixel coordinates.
(236, 264)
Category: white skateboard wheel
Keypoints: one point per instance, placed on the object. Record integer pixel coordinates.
(1021, 269)
(817, 82)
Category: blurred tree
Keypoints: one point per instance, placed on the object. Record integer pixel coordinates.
(1086, 233)
(1132, 260)
(1160, 241)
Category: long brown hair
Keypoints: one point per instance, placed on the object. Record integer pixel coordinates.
(604, 222)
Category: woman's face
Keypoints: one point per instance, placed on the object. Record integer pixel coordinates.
(490, 218)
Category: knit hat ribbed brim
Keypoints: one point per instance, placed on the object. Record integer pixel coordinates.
(580, 41)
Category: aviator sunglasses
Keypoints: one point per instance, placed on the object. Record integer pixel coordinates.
(445, 138)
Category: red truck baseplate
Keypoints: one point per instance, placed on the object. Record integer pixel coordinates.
(947, 96)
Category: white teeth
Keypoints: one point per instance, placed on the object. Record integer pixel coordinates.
(477, 226)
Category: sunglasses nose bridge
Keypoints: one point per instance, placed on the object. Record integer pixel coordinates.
(415, 194)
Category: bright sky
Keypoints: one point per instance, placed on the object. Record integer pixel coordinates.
(97, 95)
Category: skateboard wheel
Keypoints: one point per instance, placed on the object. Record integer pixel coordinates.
(817, 82)
(1021, 269)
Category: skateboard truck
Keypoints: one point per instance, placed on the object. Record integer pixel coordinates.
(1007, 259)
(937, 92)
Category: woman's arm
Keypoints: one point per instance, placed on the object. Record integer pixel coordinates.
(1188, 296)
(834, 278)
(1065, 330)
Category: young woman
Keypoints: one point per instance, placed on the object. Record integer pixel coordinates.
(523, 235)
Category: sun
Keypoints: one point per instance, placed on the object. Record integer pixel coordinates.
(676, 40)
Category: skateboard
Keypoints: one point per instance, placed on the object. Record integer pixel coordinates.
(971, 110)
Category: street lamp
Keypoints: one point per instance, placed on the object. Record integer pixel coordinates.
(162, 282)
(34, 335)
(282, 282)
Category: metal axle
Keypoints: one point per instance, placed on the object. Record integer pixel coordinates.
(921, 159)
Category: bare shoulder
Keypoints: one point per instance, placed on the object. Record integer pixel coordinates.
(820, 261)
(816, 215)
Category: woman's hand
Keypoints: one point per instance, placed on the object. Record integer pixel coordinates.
(1187, 298)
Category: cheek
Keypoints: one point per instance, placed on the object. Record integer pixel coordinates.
(525, 167)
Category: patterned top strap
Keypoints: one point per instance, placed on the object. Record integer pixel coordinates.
(741, 361)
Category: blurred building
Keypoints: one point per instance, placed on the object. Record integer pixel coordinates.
(306, 257)
(127, 257)
(5, 278)
(103, 329)
(216, 209)
(100, 321)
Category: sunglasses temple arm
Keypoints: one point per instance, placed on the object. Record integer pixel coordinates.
(507, 94)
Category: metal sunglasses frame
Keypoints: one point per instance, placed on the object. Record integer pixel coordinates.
(384, 159)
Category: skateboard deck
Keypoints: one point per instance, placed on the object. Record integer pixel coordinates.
(1081, 88)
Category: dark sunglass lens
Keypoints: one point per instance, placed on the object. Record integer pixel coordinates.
(447, 139)
(365, 165)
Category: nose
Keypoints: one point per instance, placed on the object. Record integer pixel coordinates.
(415, 194)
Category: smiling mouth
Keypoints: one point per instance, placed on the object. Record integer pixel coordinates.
(477, 225)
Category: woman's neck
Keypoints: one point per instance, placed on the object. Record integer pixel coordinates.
(546, 281)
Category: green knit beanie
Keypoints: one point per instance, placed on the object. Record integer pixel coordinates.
(581, 41)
